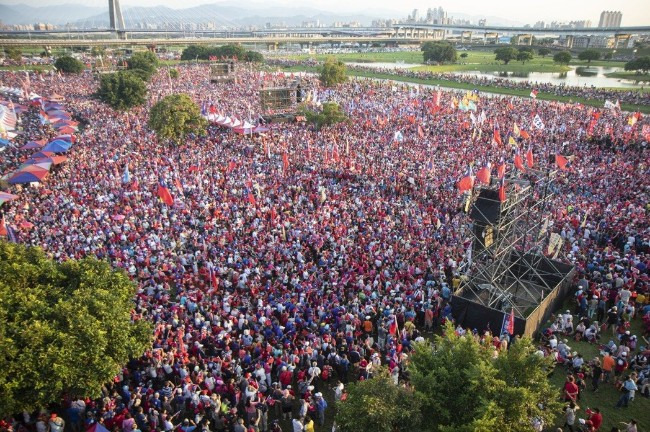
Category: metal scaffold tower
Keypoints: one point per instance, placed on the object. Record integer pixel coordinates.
(508, 268)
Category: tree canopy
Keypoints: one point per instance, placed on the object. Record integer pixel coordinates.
(144, 61)
(505, 54)
(378, 405)
(543, 52)
(65, 328)
(14, 53)
(589, 55)
(200, 52)
(563, 57)
(122, 90)
(462, 387)
(641, 64)
(175, 116)
(68, 64)
(524, 56)
(332, 72)
(330, 114)
(439, 52)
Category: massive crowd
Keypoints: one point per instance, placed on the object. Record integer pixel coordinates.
(589, 92)
(277, 273)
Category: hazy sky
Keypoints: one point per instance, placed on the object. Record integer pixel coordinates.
(635, 12)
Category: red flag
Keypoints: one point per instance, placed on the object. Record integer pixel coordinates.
(274, 214)
(529, 157)
(502, 190)
(511, 322)
(3, 227)
(483, 175)
(524, 134)
(392, 328)
(335, 153)
(501, 170)
(178, 185)
(164, 194)
(561, 161)
(497, 136)
(519, 163)
(231, 166)
(285, 161)
(420, 131)
(181, 343)
(251, 198)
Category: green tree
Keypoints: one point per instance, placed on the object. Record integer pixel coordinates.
(253, 57)
(173, 73)
(14, 53)
(464, 388)
(527, 49)
(231, 51)
(439, 52)
(145, 61)
(641, 64)
(332, 72)
(69, 64)
(524, 56)
(589, 55)
(378, 405)
(65, 328)
(175, 116)
(563, 57)
(193, 52)
(330, 114)
(464, 55)
(505, 54)
(608, 56)
(543, 52)
(122, 90)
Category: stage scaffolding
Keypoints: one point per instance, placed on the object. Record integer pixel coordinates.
(508, 269)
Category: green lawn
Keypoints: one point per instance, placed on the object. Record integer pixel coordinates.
(629, 76)
(26, 67)
(607, 396)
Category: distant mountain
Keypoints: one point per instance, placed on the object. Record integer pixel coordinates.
(224, 15)
(59, 14)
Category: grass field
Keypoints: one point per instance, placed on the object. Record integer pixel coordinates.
(476, 60)
(629, 76)
(491, 89)
(606, 397)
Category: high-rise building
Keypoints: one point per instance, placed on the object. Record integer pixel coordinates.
(610, 19)
(415, 17)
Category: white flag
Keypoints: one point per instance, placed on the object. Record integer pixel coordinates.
(538, 123)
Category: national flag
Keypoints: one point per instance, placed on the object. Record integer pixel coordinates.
(497, 134)
(420, 131)
(213, 278)
(179, 185)
(392, 327)
(126, 177)
(164, 193)
(3, 227)
(524, 134)
(529, 157)
(561, 161)
(511, 322)
(483, 175)
(285, 162)
(502, 190)
(273, 214)
(231, 166)
(501, 170)
(251, 198)
(467, 182)
(537, 122)
(335, 153)
(436, 98)
(519, 163)
(533, 93)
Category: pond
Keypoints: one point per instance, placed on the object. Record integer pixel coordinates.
(578, 77)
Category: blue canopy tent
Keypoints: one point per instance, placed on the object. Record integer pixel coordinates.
(57, 146)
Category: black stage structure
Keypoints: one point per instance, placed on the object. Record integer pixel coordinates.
(508, 269)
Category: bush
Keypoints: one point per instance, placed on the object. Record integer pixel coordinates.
(173, 73)
(69, 64)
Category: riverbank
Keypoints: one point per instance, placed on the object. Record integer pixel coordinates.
(633, 76)
(466, 86)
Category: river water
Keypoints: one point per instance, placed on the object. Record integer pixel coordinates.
(578, 76)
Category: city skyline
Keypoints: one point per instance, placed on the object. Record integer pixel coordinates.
(635, 12)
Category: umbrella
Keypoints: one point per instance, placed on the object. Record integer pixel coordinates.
(5, 197)
(33, 145)
(96, 427)
(67, 137)
(28, 177)
(57, 146)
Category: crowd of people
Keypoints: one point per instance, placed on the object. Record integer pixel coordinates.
(589, 92)
(293, 262)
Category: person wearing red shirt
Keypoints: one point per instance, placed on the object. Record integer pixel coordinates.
(595, 419)
(570, 389)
